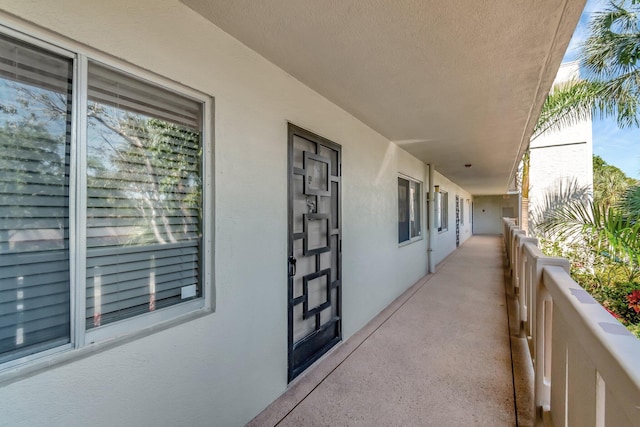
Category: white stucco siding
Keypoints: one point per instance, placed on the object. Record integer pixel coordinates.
(560, 156)
(552, 165)
(223, 368)
(375, 268)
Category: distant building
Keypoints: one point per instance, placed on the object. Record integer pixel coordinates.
(560, 157)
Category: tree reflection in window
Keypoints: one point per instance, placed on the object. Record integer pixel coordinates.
(144, 197)
(35, 135)
(144, 183)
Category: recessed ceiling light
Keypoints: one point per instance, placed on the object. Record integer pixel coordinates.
(468, 165)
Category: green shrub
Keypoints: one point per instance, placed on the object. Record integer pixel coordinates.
(607, 279)
(614, 298)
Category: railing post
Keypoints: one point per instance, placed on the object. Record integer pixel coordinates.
(515, 254)
(526, 283)
(542, 333)
(567, 328)
(507, 233)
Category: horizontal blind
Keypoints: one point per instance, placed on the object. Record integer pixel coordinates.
(35, 123)
(113, 88)
(144, 198)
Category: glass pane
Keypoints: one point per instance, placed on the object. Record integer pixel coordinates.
(438, 211)
(300, 146)
(317, 175)
(301, 203)
(144, 201)
(444, 210)
(317, 291)
(35, 105)
(403, 210)
(415, 209)
(317, 230)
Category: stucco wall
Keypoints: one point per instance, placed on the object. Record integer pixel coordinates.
(489, 210)
(445, 241)
(223, 368)
(553, 165)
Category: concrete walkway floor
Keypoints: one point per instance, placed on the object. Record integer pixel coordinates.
(440, 355)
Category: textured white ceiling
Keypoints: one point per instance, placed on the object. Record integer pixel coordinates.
(450, 81)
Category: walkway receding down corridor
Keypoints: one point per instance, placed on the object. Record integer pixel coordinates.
(440, 355)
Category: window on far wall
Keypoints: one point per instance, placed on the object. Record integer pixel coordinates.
(136, 228)
(409, 225)
(442, 210)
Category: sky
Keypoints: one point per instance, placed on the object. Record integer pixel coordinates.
(618, 147)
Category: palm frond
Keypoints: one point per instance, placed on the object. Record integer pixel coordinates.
(612, 48)
(578, 100)
(562, 192)
(609, 61)
(609, 229)
(569, 103)
(630, 203)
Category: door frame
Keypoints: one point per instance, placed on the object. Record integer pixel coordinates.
(293, 130)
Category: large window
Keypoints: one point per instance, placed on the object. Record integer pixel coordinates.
(35, 136)
(409, 226)
(101, 201)
(442, 210)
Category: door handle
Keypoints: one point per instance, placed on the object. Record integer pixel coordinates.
(292, 266)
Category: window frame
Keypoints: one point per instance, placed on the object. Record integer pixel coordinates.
(442, 211)
(416, 205)
(468, 211)
(82, 341)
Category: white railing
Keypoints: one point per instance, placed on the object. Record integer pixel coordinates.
(586, 364)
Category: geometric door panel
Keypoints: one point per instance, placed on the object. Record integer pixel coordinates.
(457, 221)
(314, 285)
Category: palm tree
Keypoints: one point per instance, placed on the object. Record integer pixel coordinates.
(610, 184)
(603, 232)
(611, 87)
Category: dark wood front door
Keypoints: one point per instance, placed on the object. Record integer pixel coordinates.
(314, 288)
